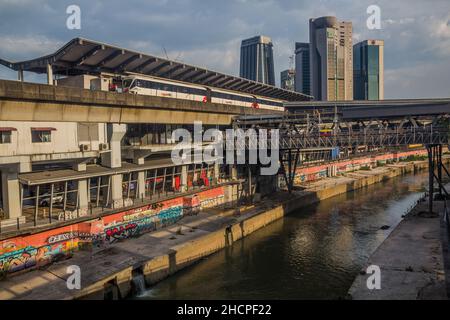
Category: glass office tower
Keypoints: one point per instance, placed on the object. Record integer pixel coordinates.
(331, 55)
(257, 60)
(368, 70)
(302, 70)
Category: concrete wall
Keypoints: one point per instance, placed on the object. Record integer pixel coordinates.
(20, 101)
(66, 137)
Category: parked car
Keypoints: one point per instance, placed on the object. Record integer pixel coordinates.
(44, 200)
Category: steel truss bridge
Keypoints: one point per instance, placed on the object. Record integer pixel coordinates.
(354, 128)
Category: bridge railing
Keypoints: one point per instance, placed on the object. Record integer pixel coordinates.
(370, 138)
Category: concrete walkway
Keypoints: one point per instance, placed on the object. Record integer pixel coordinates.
(410, 259)
(96, 265)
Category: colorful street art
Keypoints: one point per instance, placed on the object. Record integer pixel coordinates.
(40, 249)
(316, 172)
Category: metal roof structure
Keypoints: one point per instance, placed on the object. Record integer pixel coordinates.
(366, 103)
(83, 56)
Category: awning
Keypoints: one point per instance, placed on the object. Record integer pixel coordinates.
(43, 129)
(92, 171)
(6, 129)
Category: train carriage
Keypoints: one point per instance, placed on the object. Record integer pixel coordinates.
(154, 86)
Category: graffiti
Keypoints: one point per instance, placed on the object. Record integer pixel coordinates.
(31, 257)
(139, 223)
(69, 236)
(138, 215)
(120, 232)
(68, 215)
(212, 202)
(34, 251)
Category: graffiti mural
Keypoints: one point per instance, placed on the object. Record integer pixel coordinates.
(138, 223)
(36, 250)
(34, 257)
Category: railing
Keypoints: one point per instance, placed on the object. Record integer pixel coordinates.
(372, 138)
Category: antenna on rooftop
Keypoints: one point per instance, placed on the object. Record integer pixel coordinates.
(291, 62)
(165, 53)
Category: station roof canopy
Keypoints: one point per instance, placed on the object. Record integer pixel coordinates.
(82, 56)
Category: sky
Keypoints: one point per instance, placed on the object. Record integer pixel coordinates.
(208, 33)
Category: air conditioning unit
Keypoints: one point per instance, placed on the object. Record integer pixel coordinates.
(103, 146)
(85, 147)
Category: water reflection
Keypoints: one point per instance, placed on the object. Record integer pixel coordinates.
(314, 253)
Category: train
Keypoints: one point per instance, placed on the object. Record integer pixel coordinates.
(154, 86)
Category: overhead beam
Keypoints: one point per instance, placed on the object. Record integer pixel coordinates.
(111, 57)
(215, 80)
(238, 83)
(86, 55)
(186, 73)
(159, 67)
(205, 79)
(172, 71)
(192, 75)
(123, 66)
(226, 80)
(145, 64)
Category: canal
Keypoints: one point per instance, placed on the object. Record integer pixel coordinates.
(314, 253)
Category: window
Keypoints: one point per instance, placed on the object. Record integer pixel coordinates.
(41, 134)
(5, 137)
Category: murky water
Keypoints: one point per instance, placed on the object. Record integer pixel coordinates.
(314, 253)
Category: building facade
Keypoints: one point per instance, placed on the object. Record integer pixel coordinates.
(257, 60)
(331, 59)
(287, 79)
(302, 69)
(368, 70)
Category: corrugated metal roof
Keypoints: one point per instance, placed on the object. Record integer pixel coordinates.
(83, 56)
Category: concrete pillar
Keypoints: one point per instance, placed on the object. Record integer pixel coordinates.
(233, 172)
(116, 191)
(184, 176)
(20, 75)
(113, 159)
(140, 178)
(83, 197)
(141, 184)
(12, 205)
(49, 74)
(216, 172)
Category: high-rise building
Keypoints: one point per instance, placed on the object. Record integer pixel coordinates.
(302, 69)
(368, 70)
(331, 55)
(257, 60)
(287, 79)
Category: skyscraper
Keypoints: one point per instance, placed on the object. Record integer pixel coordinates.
(257, 60)
(302, 69)
(331, 55)
(287, 79)
(368, 70)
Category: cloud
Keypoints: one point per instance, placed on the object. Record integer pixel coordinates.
(427, 80)
(208, 33)
(28, 45)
